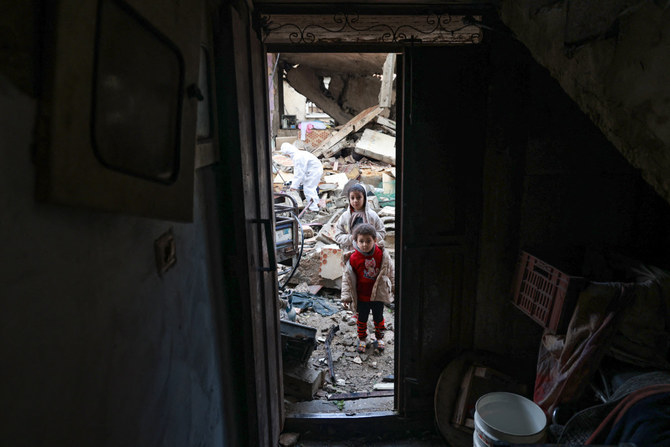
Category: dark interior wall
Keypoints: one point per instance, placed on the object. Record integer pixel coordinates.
(97, 348)
(556, 187)
(580, 193)
(498, 325)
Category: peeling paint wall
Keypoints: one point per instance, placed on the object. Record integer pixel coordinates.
(617, 74)
(97, 348)
(556, 187)
(294, 102)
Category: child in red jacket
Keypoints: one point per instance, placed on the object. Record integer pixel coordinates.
(368, 283)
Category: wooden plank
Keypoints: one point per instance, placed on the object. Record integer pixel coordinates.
(390, 124)
(386, 90)
(361, 395)
(354, 125)
(269, 315)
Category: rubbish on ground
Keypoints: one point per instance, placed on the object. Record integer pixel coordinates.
(329, 355)
(308, 301)
(320, 267)
(383, 386)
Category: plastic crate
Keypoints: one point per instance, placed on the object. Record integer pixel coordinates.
(544, 293)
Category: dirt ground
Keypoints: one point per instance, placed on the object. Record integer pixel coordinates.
(354, 372)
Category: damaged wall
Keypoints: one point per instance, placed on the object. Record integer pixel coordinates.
(612, 58)
(308, 83)
(97, 349)
(555, 186)
(294, 103)
(348, 93)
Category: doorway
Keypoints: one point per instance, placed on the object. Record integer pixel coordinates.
(435, 263)
(341, 108)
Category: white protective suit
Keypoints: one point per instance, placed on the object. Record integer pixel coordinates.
(307, 171)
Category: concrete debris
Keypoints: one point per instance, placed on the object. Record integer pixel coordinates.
(331, 262)
(354, 125)
(288, 439)
(387, 211)
(361, 151)
(339, 179)
(308, 231)
(377, 145)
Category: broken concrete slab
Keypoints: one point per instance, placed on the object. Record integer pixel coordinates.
(331, 262)
(282, 177)
(376, 145)
(327, 234)
(307, 231)
(387, 211)
(351, 171)
(308, 271)
(340, 179)
(388, 183)
(389, 239)
(354, 125)
(373, 202)
(281, 140)
(386, 123)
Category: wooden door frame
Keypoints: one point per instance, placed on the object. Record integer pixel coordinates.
(401, 419)
(247, 313)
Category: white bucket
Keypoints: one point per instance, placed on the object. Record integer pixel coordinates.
(508, 417)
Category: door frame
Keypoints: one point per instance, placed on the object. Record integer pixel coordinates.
(403, 418)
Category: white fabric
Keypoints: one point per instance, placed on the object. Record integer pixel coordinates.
(307, 171)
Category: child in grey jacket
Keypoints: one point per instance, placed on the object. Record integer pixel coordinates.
(357, 212)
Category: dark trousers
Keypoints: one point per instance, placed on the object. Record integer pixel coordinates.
(364, 308)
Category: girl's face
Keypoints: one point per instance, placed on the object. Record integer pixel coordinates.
(356, 200)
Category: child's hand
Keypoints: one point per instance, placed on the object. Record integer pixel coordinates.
(345, 306)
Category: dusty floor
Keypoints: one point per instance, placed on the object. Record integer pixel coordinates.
(354, 372)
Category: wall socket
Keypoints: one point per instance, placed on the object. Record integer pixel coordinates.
(166, 252)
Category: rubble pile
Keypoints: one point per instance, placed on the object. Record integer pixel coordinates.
(361, 151)
(354, 373)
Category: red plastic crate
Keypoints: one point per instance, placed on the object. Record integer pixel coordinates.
(544, 293)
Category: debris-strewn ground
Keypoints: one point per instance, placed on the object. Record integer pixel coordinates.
(360, 151)
(354, 371)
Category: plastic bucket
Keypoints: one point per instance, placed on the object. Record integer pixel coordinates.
(508, 417)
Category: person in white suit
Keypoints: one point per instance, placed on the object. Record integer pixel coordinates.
(307, 171)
